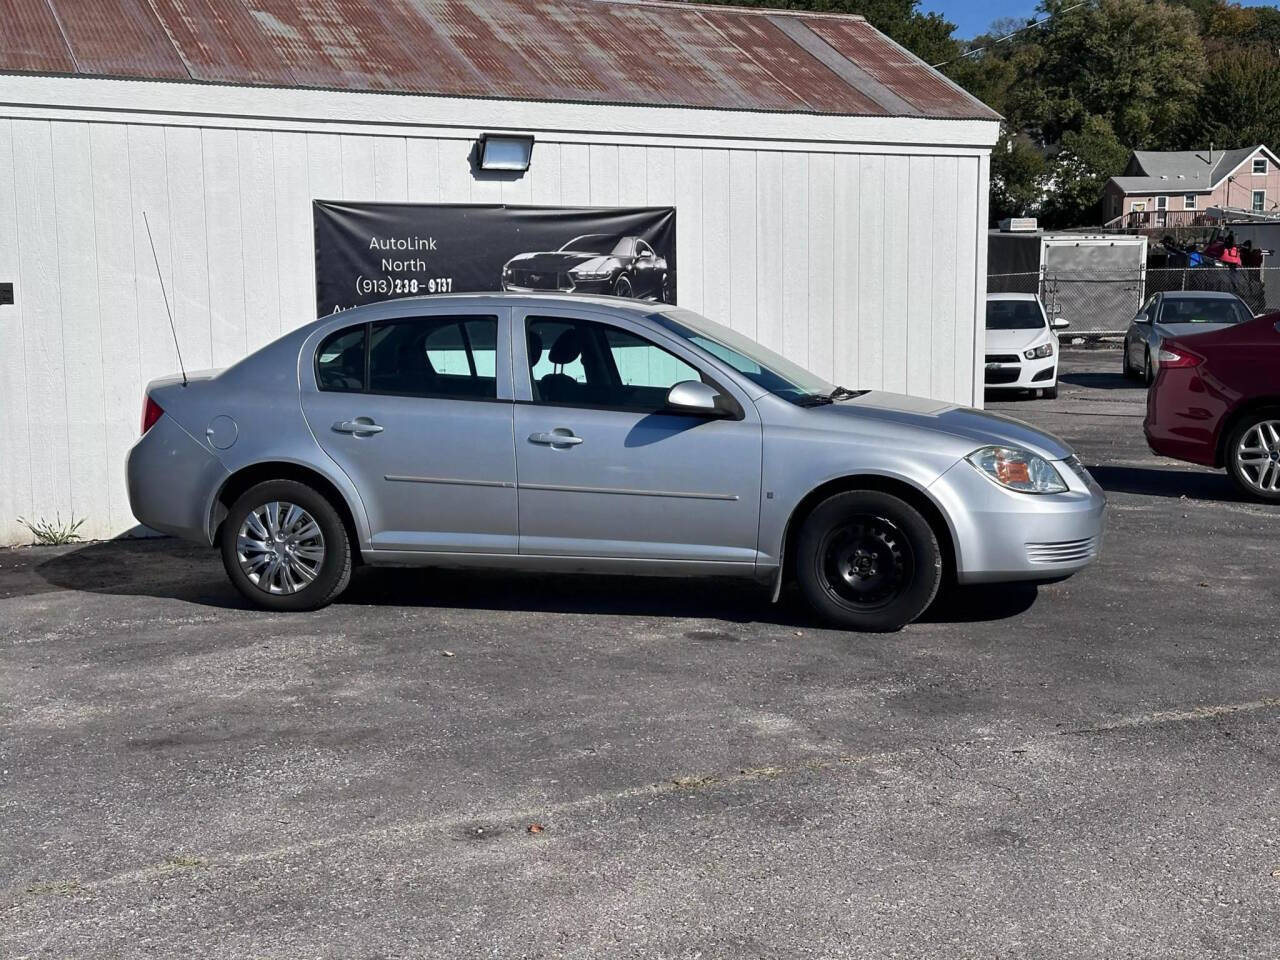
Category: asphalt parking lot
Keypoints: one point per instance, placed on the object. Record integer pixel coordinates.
(1090, 769)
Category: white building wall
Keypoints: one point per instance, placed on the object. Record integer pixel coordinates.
(862, 261)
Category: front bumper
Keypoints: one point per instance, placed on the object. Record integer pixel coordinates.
(1020, 373)
(1005, 535)
(172, 481)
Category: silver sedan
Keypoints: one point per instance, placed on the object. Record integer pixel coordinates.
(574, 434)
(1178, 314)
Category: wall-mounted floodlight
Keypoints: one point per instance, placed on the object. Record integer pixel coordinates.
(500, 151)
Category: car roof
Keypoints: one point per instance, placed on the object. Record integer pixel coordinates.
(542, 300)
(1012, 296)
(1200, 295)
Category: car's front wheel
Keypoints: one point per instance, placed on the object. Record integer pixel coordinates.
(285, 547)
(622, 286)
(867, 560)
(1148, 371)
(1253, 454)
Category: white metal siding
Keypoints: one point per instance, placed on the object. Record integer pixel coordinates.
(865, 266)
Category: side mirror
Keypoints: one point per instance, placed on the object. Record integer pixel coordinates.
(693, 396)
(1060, 323)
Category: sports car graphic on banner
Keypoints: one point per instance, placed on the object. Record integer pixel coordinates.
(366, 252)
(593, 263)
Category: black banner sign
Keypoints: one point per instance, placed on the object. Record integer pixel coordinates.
(366, 252)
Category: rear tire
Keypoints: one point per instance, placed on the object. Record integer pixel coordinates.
(1128, 371)
(311, 554)
(1253, 454)
(868, 561)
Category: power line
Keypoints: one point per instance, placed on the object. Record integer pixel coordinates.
(1033, 23)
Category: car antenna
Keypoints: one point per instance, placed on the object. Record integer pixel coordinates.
(164, 293)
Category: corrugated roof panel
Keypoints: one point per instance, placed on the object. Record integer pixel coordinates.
(807, 79)
(665, 73)
(221, 42)
(31, 40)
(595, 51)
(119, 37)
(910, 78)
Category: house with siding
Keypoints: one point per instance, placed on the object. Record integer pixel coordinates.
(1175, 187)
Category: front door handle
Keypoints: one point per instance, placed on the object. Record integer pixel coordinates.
(559, 437)
(357, 426)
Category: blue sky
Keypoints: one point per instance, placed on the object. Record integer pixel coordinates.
(971, 17)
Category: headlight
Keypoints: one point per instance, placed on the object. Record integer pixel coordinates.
(1037, 353)
(1018, 469)
(590, 274)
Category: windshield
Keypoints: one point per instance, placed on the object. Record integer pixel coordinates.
(1014, 315)
(598, 243)
(1202, 310)
(758, 364)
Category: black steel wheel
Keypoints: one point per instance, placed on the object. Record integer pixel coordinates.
(868, 561)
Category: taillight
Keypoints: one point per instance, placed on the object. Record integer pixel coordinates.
(151, 412)
(1183, 358)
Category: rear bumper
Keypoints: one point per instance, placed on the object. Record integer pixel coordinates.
(1003, 535)
(172, 481)
(1182, 418)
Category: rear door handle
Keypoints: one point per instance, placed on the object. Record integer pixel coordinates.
(560, 437)
(357, 426)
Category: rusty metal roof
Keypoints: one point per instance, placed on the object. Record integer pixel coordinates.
(642, 52)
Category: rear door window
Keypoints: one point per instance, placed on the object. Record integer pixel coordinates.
(448, 357)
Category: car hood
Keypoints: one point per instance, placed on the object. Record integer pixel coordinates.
(968, 428)
(1005, 341)
(556, 260)
(1168, 330)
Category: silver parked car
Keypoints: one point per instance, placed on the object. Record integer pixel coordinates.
(575, 434)
(1177, 314)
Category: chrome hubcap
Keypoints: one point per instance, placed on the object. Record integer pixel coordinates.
(280, 547)
(1258, 456)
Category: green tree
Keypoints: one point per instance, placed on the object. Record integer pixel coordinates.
(1018, 170)
(1239, 103)
(1083, 163)
(1135, 63)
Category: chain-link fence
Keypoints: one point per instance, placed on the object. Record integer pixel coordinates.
(1101, 303)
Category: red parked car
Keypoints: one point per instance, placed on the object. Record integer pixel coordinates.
(1216, 401)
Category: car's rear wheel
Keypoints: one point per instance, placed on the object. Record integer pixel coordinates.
(867, 560)
(1253, 454)
(1125, 367)
(285, 547)
(664, 293)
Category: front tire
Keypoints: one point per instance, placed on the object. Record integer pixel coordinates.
(285, 547)
(1148, 373)
(868, 561)
(1253, 454)
(622, 287)
(1050, 393)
